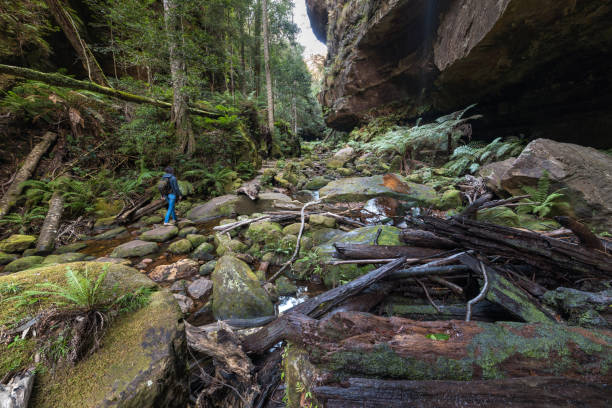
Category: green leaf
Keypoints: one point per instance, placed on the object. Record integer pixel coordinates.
(438, 336)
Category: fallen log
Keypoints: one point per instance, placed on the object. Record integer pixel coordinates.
(25, 172)
(250, 188)
(153, 206)
(420, 238)
(48, 231)
(126, 214)
(584, 234)
(364, 251)
(16, 394)
(484, 311)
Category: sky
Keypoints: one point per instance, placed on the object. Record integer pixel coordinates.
(306, 37)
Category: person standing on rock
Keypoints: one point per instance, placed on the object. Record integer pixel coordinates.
(170, 191)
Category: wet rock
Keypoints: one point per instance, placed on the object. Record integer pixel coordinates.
(134, 248)
(316, 183)
(112, 233)
(217, 207)
(152, 219)
(187, 230)
(24, 263)
(182, 246)
(207, 268)
(584, 173)
(294, 229)
(180, 286)
(185, 303)
(317, 220)
(17, 243)
(204, 252)
(160, 234)
(236, 291)
(104, 223)
(183, 269)
(6, 258)
(76, 247)
(185, 223)
(196, 239)
(64, 258)
(305, 196)
(365, 188)
(117, 261)
(264, 232)
(199, 288)
(285, 287)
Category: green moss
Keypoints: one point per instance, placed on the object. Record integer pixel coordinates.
(17, 243)
(21, 264)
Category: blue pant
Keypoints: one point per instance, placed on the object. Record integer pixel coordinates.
(171, 200)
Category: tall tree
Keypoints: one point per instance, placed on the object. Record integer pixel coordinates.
(180, 116)
(266, 40)
(257, 49)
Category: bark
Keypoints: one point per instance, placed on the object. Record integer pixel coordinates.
(155, 205)
(48, 232)
(25, 172)
(251, 188)
(127, 214)
(257, 49)
(266, 43)
(67, 82)
(484, 311)
(364, 251)
(68, 26)
(428, 239)
(584, 234)
(179, 116)
(16, 394)
(528, 392)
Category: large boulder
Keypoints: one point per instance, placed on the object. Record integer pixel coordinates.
(341, 157)
(230, 205)
(365, 188)
(6, 258)
(17, 243)
(134, 248)
(584, 173)
(160, 234)
(492, 174)
(24, 263)
(237, 292)
(217, 207)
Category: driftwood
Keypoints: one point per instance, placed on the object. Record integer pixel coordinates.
(25, 172)
(48, 231)
(584, 234)
(251, 188)
(16, 394)
(127, 214)
(364, 251)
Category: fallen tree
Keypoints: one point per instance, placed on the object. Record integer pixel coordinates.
(48, 231)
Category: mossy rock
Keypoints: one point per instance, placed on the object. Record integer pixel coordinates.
(105, 208)
(6, 258)
(500, 216)
(317, 220)
(236, 291)
(76, 247)
(264, 232)
(152, 219)
(324, 235)
(294, 229)
(204, 252)
(182, 207)
(26, 262)
(207, 268)
(134, 248)
(160, 234)
(217, 207)
(196, 239)
(112, 233)
(285, 287)
(450, 199)
(106, 222)
(187, 230)
(316, 183)
(182, 246)
(17, 243)
(64, 258)
(343, 171)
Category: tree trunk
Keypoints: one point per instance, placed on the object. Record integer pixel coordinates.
(266, 40)
(16, 393)
(48, 232)
(68, 26)
(180, 116)
(364, 251)
(428, 239)
(257, 50)
(67, 82)
(25, 172)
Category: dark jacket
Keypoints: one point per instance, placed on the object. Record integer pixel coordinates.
(173, 184)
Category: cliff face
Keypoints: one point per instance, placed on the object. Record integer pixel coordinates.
(535, 67)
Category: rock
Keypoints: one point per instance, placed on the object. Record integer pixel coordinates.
(341, 157)
(227, 246)
(204, 252)
(317, 220)
(492, 174)
(217, 207)
(265, 202)
(584, 173)
(316, 183)
(200, 288)
(160, 234)
(185, 223)
(285, 287)
(144, 263)
(207, 268)
(16, 243)
(236, 291)
(64, 258)
(134, 248)
(324, 235)
(183, 269)
(182, 246)
(117, 261)
(76, 247)
(106, 208)
(187, 230)
(6, 258)
(343, 171)
(581, 308)
(196, 239)
(182, 207)
(104, 223)
(180, 286)
(30, 252)
(264, 232)
(185, 187)
(294, 229)
(185, 303)
(24, 263)
(152, 219)
(450, 199)
(112, 233)
(270, 289)
(499, 215)
(365, 188)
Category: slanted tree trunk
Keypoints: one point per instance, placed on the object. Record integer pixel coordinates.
(180, 116)
(25, 172)
(266, 39)
(69, 27)
(48, 232)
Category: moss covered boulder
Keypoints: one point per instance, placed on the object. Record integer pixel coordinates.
(26, 262)
(17, 243)
(186, 231)
(76, 247)
(64, 258)
(450, 199)
(160, 234)
(112, 233)
(104, 223)
(203, 252)
(294, 229)
(237, 292)
(196, 239)
(217, 207)
(316, 183)
(6, 258)
(134, 248)
(264, 232)
(317, 220)
(182, 246)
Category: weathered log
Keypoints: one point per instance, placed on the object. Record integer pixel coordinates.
(364, 251)
(419, 271)
(16, 394)
(527, 392)
(484, 311)
(71, 83)
(126, 214)
(48, 231)
(509, 296)
(251, 188)
(154, 205)
(420, 238)
(25, 172)
(471, 210)
(584, 234)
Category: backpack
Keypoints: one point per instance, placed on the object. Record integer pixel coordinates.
(163, 186)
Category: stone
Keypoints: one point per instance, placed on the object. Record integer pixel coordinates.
(217, 207)
(134, 248)
(152, 219)
(264, 232)
(343, 171)
(144, 263)
(182, 207)
(183, 269)
(316, 183)
(265, 202)
(185, 187)
(30, 252)
(581, 308)
(207, 268)
(323, 235)
(104, 223)
(180, 286)
(237, 293)
(160, 234)
(6, 258)
(305, 196)
(186, 231)
(450, 199)
(317, 220)
(76, 247)
(16, 243)
(185, 303)
(112, 233)
(492, 174)
(199, 288)
(584, 173)
(116, 261)
(24, 263)
(294, 229)
(285, 287)
(196, 239)
(204, 252)
(64, 258)
(182, 246)
(365, 188)
(185, 223)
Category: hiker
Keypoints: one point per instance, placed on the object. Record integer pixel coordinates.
(170, 191)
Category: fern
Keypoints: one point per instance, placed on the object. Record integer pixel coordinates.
(470, 157)
(24, 221)
(543, 202)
